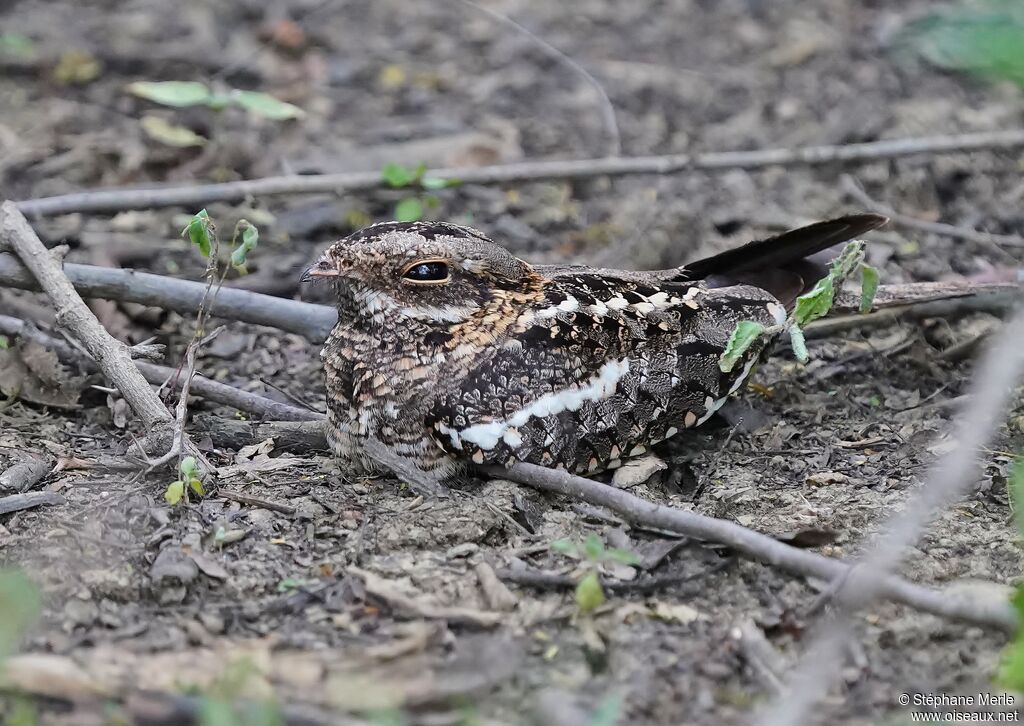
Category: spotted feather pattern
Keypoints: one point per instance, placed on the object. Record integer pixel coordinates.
(598, 371)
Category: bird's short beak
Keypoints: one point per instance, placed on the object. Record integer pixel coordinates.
(320, 268)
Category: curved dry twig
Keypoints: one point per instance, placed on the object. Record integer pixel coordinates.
(962, 605)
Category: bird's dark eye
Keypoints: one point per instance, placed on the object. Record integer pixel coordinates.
(431, 271)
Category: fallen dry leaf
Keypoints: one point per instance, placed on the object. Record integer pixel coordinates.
(827, 477)
(247, 452)
(209, 566)
(675, 612)
(637, 471)
(259, 464)
(420, 605)
(33, 373)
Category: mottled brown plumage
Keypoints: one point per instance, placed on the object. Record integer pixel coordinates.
(449, 350)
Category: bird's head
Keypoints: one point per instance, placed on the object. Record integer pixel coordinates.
(431, 272)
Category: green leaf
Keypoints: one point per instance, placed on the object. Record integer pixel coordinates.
(219, 101)
(4, 342)
(165, 132)
(290, 583)
(263, 714)
(433, 182)
(188, 467)
(796, 339)
(17, 45)
(20, 605)
(197, 486)
(175, 492)
(818, 301)
(22, 712)
(397, 176)
(608, 712)
(409, 209)
(1011, 670)
(180, 94)
(593, 547)
(980, 38)
(243, 241)
(565, 547)
(589, 595)
(868, 287)
(200, 232)
(745, 335)
(265, 105)
(622, 556)
(217, 712)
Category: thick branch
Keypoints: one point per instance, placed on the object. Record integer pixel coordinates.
(183, 296)
(111, 355)
(113, 200)
(314, 322)
(956, 605)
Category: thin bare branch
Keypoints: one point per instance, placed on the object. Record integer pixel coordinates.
(857, 193)
(958, 605)
(195, 196)
(607, 109)
(28, 500)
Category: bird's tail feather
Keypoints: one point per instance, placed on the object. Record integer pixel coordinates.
(787, 264)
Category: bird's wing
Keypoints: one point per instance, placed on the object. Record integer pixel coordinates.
(601, 369)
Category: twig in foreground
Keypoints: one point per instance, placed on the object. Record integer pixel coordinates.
(960, 605)
(113, 200)
(74, 315)
(991, 390)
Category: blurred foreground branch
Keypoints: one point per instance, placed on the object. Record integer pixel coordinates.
(952, 475)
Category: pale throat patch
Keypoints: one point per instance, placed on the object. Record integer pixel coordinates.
(487, 435)
(379, 304)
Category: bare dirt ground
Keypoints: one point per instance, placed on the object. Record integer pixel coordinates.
(143, 595)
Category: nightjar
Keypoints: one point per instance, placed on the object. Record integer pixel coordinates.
(449, 350)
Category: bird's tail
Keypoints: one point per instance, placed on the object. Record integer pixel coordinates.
(786, 265)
